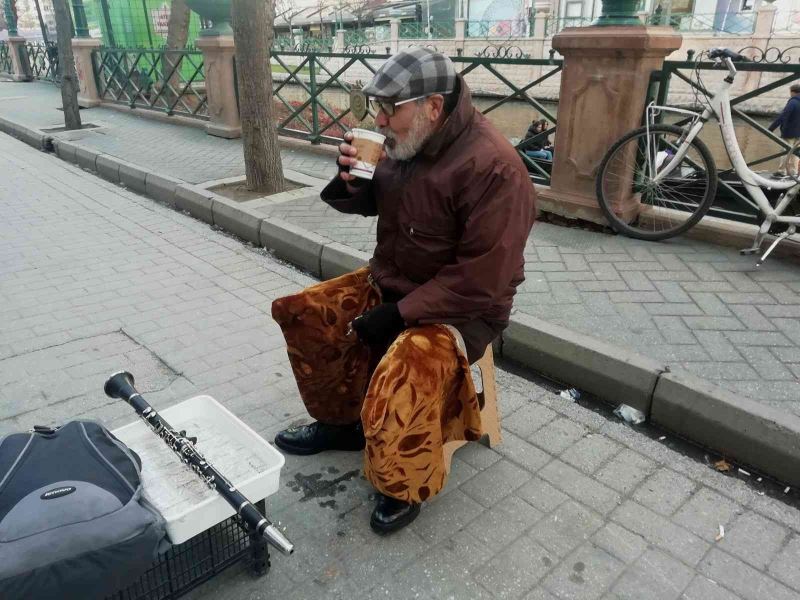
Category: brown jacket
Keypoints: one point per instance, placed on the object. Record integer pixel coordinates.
(452, 226)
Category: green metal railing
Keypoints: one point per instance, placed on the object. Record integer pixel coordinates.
(730, 23)
(312, 102)
(552, 25)
(440, 30)
(732, 201)
(43, 60)
(368, 35)
(504, 28)
(5, 58)
(169, 81)
(412, 30)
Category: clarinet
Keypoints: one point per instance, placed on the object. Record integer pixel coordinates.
(120, 385)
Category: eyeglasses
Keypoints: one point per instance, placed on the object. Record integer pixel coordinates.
(389, 107)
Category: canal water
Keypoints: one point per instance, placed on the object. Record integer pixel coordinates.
(514, 117)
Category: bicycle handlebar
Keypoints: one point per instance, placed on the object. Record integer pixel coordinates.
(722, 53)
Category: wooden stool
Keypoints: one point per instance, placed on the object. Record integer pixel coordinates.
(490, 417)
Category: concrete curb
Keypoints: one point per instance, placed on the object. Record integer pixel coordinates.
(766, 438)
(294, 244)
(693, 408)
(32, 137)
(196, 201)
(609, 372)
(239, 220)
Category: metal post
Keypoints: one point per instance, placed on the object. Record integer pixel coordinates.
(147, 22)
(312, 74)
(42, 26)
(107, 21)
(11, 21)
(428, 26)
(81, 26)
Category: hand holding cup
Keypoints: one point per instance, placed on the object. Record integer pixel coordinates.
(359, 154)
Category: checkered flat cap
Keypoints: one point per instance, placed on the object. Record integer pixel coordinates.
(413, 72)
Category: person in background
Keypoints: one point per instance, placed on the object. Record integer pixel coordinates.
(541, 148)
(789, 122)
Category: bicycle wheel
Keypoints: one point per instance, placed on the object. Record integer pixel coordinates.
(671, 205)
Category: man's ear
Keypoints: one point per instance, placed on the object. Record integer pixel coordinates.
(436, 103)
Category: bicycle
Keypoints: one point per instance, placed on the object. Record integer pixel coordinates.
(674, 174)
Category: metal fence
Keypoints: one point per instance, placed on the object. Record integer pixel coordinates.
(553, 25)
(366, 35)
(43, 60)
(5, 58)
(503, 28)
(780, 71)
(730, 23)
(312, 102)
(168, 81)
(439, 30)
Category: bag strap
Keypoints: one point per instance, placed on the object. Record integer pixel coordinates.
(16, 462)
(104, 459)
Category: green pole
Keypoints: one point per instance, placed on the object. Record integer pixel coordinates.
(107, 21)
(313, 85)
(10, 20)
(147, 22)
(42, 26)
(619, 12)
(79, 14)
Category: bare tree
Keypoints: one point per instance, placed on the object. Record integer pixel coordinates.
(69, 79)
(321, 6)
(359, 8)
(253, 32)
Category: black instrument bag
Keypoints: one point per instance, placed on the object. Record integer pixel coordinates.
(73, 522)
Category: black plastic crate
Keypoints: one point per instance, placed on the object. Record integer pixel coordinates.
(195, 561)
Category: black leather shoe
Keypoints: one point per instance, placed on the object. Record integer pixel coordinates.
(317, 437)
(391, 514)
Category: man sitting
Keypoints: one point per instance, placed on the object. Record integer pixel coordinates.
(455, 207)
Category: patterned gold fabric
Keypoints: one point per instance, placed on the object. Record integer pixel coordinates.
(418, 396)
(331, 367)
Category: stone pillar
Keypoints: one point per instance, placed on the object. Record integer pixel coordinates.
(603, 88)
(394, 35)
(223, 110)
(765, 18)
(338, 44)
(20, 65)
(88, 95)
(540, 23)
(461, 33)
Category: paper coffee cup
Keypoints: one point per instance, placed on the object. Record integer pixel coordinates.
(369, 146)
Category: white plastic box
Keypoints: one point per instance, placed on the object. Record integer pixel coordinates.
(188, 505)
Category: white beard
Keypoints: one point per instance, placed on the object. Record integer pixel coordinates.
(421, 129)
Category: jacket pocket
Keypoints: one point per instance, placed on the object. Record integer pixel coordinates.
(423, 249)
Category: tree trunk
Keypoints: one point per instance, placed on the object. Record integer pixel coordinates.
(252, 22)
(177, 35)
(69, 79)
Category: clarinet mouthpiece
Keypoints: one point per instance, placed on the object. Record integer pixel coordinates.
(276, 539)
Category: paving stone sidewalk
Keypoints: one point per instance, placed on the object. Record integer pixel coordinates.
(695, 305)
(572, 505)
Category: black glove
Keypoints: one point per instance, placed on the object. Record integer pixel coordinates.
(380, 325)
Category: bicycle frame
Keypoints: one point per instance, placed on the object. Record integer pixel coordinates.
(720, 108)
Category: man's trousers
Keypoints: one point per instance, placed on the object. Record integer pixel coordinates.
(411, 398)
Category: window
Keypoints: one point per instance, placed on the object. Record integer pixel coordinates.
(575, 9)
